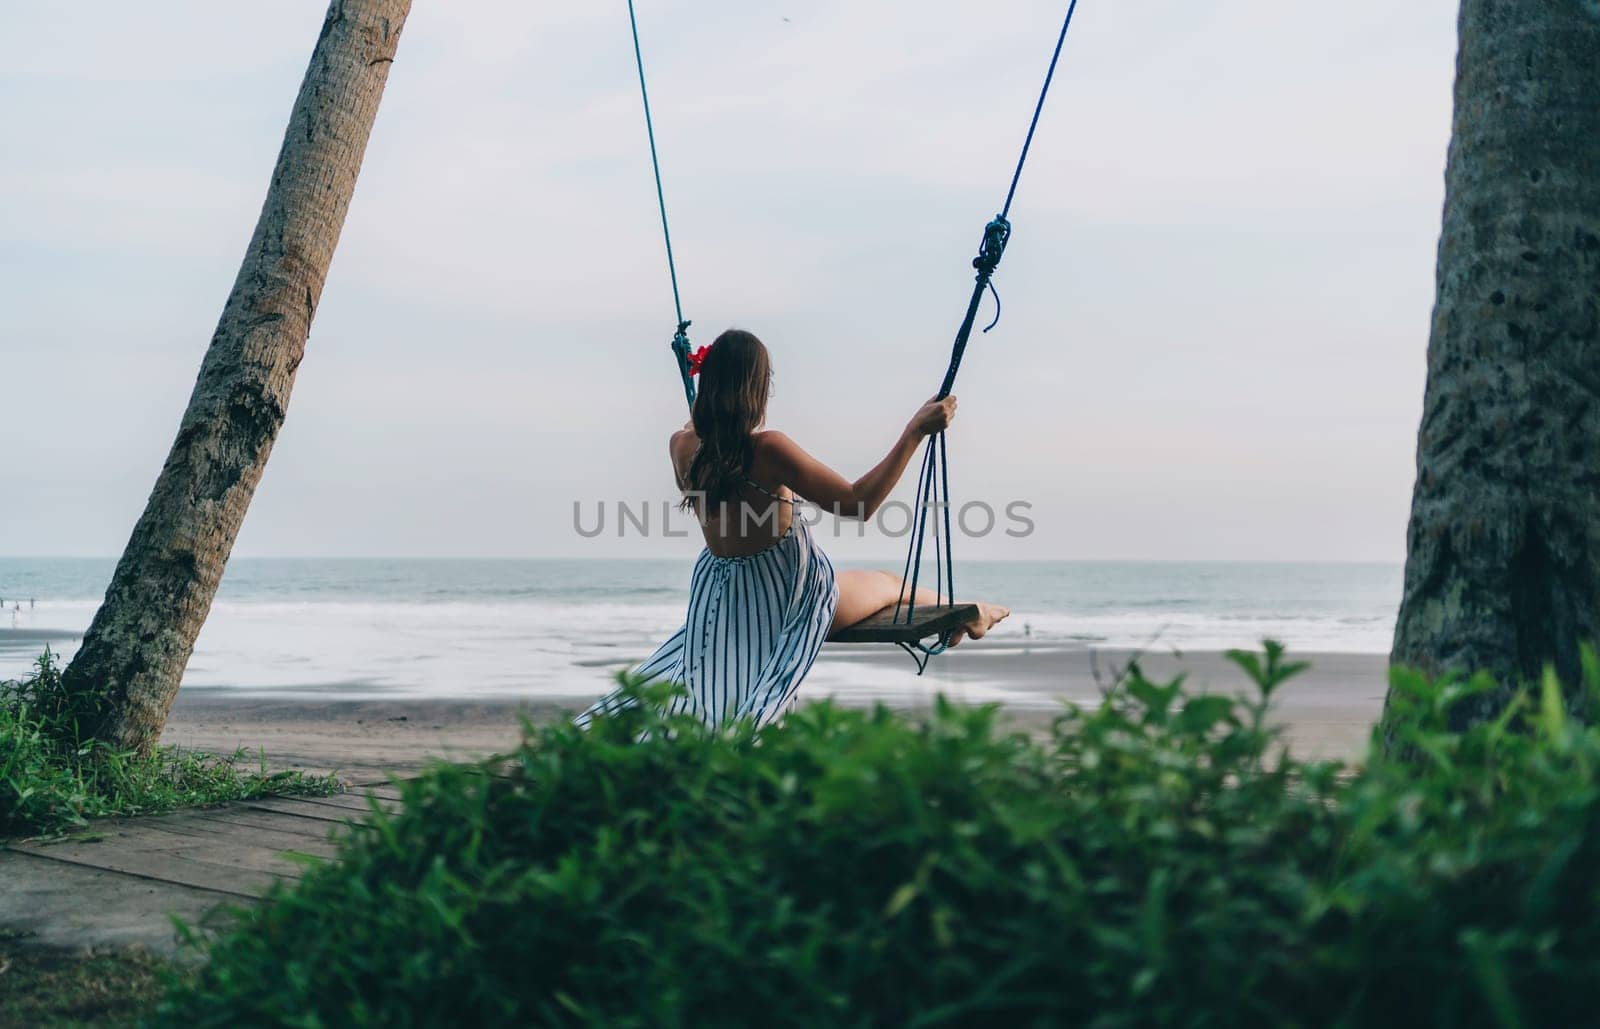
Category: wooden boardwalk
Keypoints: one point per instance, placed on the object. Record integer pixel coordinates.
(233, 851)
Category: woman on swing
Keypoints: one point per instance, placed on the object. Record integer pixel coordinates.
(763, 596)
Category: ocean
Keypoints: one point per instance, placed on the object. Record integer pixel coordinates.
(561, 628)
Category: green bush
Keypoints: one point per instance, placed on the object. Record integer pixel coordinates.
(51, 779)
(1158, 860)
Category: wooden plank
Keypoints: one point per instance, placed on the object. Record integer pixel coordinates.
(162, 867)
(930, 621)
(235, 835)
(137, 838)
(352, 802)
(306, 809)
(167, 833)
(222, 857)
(237, 849)
(248, 820)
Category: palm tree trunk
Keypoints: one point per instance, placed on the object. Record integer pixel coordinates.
(125, 676)
(1503, 562)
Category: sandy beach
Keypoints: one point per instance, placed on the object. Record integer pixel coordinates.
(1328, 711)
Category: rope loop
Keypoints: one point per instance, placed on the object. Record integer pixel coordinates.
(996, 319)
(922, 653)
(995, 236)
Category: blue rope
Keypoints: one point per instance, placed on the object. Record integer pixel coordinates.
(998, 232)
(680, 339)
(934, 479)
(1037, 108)
(913, 565)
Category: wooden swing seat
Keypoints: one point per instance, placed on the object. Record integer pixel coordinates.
(929, 621)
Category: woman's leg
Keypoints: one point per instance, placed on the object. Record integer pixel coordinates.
(864, 594)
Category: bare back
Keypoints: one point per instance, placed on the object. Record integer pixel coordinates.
(758, 516)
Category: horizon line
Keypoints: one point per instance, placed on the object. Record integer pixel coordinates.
(894, 559)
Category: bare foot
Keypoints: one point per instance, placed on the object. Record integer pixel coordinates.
(989, 615)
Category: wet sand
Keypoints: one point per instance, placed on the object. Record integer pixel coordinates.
(1327, 711)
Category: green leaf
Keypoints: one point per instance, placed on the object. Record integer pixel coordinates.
(1552, 706)
(1201, 714)
(899, 899)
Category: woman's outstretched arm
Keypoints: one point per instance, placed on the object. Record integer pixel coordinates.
(816, 482)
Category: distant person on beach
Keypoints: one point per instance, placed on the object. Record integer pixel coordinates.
(763, 596)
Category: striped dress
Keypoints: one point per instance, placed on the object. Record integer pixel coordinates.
(754, 626)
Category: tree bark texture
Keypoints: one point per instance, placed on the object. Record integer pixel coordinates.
(1503, 546)
(125, 676)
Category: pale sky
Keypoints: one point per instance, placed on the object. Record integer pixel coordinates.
(1216, 296)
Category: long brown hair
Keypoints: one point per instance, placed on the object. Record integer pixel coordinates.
(730, 404)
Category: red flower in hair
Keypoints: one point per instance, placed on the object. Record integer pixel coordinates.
(696, 359)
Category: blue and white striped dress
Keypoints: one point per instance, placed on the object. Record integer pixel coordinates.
(754, 627)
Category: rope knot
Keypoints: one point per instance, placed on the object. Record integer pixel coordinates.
(680, 349)
(995, 236)
(680, 341)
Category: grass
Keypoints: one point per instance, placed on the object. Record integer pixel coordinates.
(51, 780)
(1160, 859)
(54, 988)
